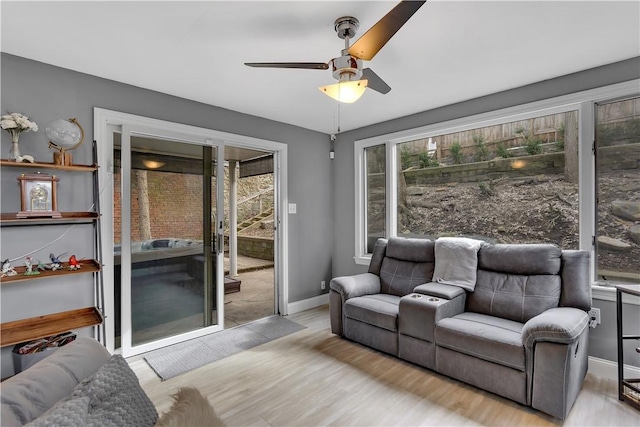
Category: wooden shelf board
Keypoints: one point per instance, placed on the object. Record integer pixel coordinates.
(45, 165)
(88, 266)
(66, 217)
(33, 328)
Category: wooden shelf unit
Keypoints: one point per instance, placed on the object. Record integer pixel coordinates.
(19, 331)
(87, 266)
(33, 328)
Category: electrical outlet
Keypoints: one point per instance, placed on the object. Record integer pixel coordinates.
(594, 316)
(323, 285)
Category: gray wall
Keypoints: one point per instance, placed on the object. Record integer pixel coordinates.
(343, 179)
(44, 93)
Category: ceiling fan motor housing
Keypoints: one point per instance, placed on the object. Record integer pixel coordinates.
(346, 67)
(346, 26)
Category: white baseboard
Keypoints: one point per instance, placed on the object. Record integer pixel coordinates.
(608, 369)
(306, 304)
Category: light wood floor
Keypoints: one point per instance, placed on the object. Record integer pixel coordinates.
(314, 378)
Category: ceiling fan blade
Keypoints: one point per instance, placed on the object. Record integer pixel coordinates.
(367, 46)
(303, 65)
(375, 82)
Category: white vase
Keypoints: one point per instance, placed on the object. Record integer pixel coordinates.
(14, 153)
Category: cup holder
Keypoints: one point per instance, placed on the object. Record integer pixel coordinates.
(434, 299)
(416, 296)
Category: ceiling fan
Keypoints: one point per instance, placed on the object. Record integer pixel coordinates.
(347, 68)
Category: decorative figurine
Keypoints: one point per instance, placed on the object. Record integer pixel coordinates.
(55, 264)
(41, 265)
(28, 262)
(7, 270)
(74, 264)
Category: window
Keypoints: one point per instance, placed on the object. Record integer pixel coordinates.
(525, 174)
(376, 204)
(513, 182)
(618, 190)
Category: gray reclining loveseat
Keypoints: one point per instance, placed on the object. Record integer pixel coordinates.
(520, 332)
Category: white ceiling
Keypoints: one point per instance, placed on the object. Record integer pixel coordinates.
(449, 51)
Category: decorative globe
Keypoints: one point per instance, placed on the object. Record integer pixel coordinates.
(64, 134)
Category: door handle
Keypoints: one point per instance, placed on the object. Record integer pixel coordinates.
(220, 243)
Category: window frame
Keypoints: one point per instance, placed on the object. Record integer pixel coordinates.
(583, 102)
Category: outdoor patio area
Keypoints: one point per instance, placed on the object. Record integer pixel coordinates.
(256, 297)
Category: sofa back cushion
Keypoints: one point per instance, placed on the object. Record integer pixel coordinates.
(514, 296)
(407, 263)
(516, 281)
(524, 258)
(409, 249)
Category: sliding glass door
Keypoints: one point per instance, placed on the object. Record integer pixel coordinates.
(162, 189)
(168, 254)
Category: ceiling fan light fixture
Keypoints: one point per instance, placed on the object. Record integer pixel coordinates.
(346, 91)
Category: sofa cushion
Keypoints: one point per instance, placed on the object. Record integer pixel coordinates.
(71, 412)
(399, 277)
(116, 396)
(456, 261)
(380, 310)
(524, 258)
(512, 296)
(30, 393)
(409, 249)
(111, 397)
(489, 338)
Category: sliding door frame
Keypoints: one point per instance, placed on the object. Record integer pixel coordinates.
(106, 122)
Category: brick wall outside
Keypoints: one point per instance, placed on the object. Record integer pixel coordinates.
(175, 206)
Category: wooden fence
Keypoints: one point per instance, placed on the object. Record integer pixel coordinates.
(510, 135)
(546, 129)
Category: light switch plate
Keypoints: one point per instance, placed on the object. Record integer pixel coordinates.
(292, 208)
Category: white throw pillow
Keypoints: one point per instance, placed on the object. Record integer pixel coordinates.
(457, 261)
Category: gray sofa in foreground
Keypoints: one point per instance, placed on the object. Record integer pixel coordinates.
(515, 324)
(80, 384)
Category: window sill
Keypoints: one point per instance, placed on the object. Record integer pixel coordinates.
(362, 260)
(608, 293)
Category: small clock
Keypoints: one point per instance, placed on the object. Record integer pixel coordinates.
(38, 196)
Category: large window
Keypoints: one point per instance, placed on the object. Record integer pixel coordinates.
(512, 182)
(526, 174)
(618, 195)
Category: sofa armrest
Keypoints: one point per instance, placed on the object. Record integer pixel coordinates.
(355, 286)
(343, 288)
(439, 290)
(419, 313)
(559, 325)
(556, 350)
